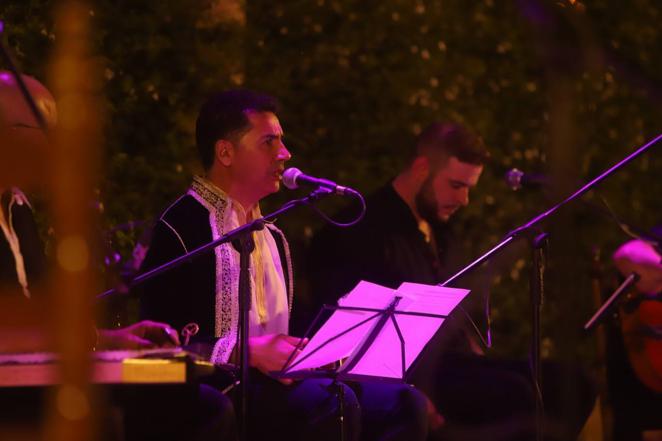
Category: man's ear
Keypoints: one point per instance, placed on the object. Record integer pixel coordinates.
(224, 152)
(420, 168)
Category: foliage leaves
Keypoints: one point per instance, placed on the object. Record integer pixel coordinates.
(557, 87)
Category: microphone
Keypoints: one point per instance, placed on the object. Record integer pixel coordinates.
(516, 179)
(293, 178)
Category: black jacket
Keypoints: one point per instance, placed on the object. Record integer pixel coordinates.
(187, 293)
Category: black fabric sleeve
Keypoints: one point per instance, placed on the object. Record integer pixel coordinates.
(165, 298)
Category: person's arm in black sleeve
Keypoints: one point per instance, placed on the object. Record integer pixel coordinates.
(164, 298)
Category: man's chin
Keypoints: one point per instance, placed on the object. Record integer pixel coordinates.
(268, 190)
(445, 215)
(273, 188)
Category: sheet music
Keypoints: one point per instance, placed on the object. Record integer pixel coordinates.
(316, 354)
(383, 359)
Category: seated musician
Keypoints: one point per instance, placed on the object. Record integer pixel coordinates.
(23, 263)
(635, 347)
(410, 234)
(22, 258)
(240, 143)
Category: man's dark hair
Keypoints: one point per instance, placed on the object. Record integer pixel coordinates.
(440, 141)
(223, 116)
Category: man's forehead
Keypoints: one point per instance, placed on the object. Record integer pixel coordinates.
(461, 171)
(265, 123)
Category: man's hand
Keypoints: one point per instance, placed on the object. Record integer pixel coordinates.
(269, 352)
(141, 335)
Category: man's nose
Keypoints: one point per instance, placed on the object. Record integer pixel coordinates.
(283, 153)
(463, 197)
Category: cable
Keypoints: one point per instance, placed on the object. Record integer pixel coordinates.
(487, 342)
(626, 228)
(355, 194)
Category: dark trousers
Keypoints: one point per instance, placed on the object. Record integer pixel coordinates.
(481, 396)
(135, 413)
(309, 410)
(174, 413)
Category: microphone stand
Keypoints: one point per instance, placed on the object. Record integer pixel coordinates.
(245, 245)
(254, 225)
(538, 240)
(242, 241)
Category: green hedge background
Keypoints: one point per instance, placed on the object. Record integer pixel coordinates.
(558, 87)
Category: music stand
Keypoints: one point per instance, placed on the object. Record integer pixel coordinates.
(343, 371)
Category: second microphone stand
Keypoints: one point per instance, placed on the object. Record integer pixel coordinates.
(538, 240)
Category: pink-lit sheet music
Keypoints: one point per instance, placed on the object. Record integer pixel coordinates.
(372, 344)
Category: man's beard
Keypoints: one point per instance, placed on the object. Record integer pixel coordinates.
(426, 203)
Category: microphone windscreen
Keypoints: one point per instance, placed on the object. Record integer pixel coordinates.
(290, 178)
